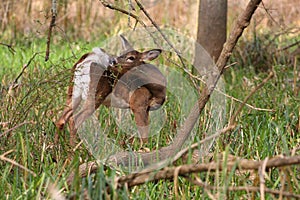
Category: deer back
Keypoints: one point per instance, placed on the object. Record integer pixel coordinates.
(145, 75)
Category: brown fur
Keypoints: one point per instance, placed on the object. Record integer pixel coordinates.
(143, 87)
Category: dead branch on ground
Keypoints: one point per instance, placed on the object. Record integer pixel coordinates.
(184, 170)
(245, 188)
(4, 158)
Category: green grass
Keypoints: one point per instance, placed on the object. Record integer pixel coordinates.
(39, 99)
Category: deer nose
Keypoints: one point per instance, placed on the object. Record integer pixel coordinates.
(112, 62)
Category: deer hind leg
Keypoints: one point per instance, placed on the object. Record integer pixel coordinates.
(139, 104)
(71, 123)
(72, 104)
(66, 117)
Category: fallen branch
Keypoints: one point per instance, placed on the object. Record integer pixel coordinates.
(168, 172)
(83, 171)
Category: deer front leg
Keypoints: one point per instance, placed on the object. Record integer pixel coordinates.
(139, 104)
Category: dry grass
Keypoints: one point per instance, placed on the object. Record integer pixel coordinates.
(88, 18)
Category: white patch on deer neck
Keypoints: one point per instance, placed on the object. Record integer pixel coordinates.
(82, 72)
(103, 57)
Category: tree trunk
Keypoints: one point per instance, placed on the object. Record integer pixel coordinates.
(212, 21)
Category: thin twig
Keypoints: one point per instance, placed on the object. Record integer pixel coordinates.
(253, 91)
(15, 127)
(271, 17)
(227, 95)
(295, 88)
(289, 46)
(158, 29)
(129, 13)
(9, 46)
(68, 40)
(176, 171)
(113, 7)
(244, 188)
(25, 66)
(262, 171)
(2, 157)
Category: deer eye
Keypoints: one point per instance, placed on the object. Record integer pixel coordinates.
(130, 58)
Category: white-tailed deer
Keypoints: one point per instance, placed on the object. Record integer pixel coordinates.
(125, 81)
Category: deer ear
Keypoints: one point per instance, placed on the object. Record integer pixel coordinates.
(125, 44)
(151, 54)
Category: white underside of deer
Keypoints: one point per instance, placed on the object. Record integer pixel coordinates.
(82, 72)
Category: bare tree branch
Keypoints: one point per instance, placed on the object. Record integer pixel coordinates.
(240, 164)
(10, 48)
(52, 24)
(121, 10)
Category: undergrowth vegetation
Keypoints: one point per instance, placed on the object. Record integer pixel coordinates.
(32, 95)
(33, 166)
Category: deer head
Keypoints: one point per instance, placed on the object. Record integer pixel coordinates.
(131, 58)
